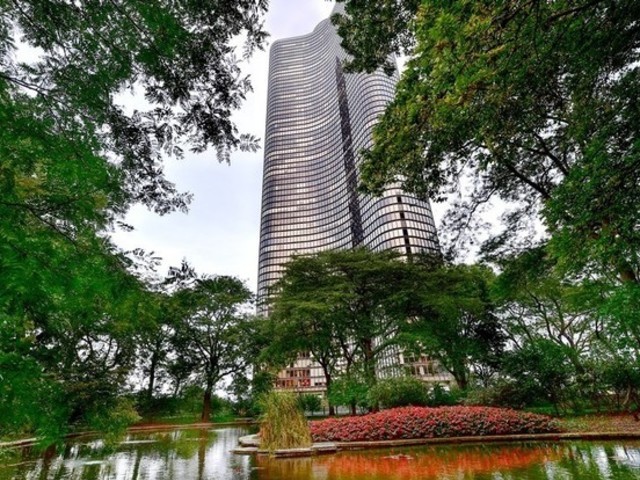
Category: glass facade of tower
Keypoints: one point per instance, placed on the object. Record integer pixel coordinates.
(318, 120)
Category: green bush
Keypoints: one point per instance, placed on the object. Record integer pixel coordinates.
(503, 394)
(282, 424)
(399, 392)
(309, 403)
(113, 419)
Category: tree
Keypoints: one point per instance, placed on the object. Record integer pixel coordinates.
(450, 317)
(154, 343)
(310, 403)
(351, 391)
(399, 392)
(301, 321)
(352, 296)
(178, 54)
(533, 101)
(535, 301)
(214, 330)
(541, 370)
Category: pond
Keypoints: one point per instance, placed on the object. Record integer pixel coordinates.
(204, 454)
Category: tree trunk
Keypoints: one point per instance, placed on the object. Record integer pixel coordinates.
(460, 376)
(369, 367)
(353, 408)
(327, 383)
(152, 375)
(206, 406)
(369, 364)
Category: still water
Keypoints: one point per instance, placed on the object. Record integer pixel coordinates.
(204, 454)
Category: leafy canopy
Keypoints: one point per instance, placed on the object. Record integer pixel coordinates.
(179, 55)
(533, 102)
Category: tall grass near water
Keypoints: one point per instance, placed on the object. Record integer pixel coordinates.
(283, 424)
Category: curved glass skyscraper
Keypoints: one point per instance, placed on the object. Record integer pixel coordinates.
(318, 119)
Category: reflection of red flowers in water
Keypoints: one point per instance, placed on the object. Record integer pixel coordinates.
(411, 464)
(434, 465)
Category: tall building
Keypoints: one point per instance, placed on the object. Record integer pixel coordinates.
(319, 118)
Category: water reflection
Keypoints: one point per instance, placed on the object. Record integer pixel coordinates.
(505, 462)
(177, 455)
(204, 454)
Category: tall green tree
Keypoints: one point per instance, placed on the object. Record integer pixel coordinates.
(214, 330)
(355, 296)
(451, 318)
(535, 301)
(301, 321)
(533, 101)
(74, 157)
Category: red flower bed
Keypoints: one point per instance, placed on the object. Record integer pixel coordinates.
(423, 422)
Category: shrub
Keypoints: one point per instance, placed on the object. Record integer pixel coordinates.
(504, 393)
(113, 419)
(424, 422)
(309, 403)
(282, 424)
(399, 392)
(440, 397)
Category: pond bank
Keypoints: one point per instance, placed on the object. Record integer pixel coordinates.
(590, 427)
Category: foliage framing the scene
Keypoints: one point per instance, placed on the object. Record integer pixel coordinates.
(530, 101)
(75, 154)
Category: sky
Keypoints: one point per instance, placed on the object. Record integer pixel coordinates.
(220, 234)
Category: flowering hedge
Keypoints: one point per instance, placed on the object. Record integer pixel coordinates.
(423, 422)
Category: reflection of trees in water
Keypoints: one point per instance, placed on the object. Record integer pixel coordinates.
(204, 454)
(607, 461)
(133, 459)
(187, 443)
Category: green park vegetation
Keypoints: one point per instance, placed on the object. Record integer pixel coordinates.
(529, 104)
(77, 314)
